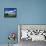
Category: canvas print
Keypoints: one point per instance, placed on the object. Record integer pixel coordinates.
(10, 12)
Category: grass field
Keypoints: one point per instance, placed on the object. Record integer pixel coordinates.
(9, 15)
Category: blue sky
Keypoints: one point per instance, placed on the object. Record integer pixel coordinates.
(8, 9)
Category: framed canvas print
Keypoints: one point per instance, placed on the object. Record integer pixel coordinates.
(10, 12)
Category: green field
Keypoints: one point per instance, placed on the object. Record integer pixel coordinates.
(9, 15)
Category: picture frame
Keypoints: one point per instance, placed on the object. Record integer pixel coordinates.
(10, 12)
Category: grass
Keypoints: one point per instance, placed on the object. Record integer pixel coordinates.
(9, 15)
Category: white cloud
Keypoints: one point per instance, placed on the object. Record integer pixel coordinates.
(10, 12)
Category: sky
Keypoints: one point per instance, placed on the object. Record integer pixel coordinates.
(8, 9)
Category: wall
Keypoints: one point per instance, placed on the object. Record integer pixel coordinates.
(28, 12)
(7, 25)
(32, 11)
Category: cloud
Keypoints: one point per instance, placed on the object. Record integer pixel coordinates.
(10, 12)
